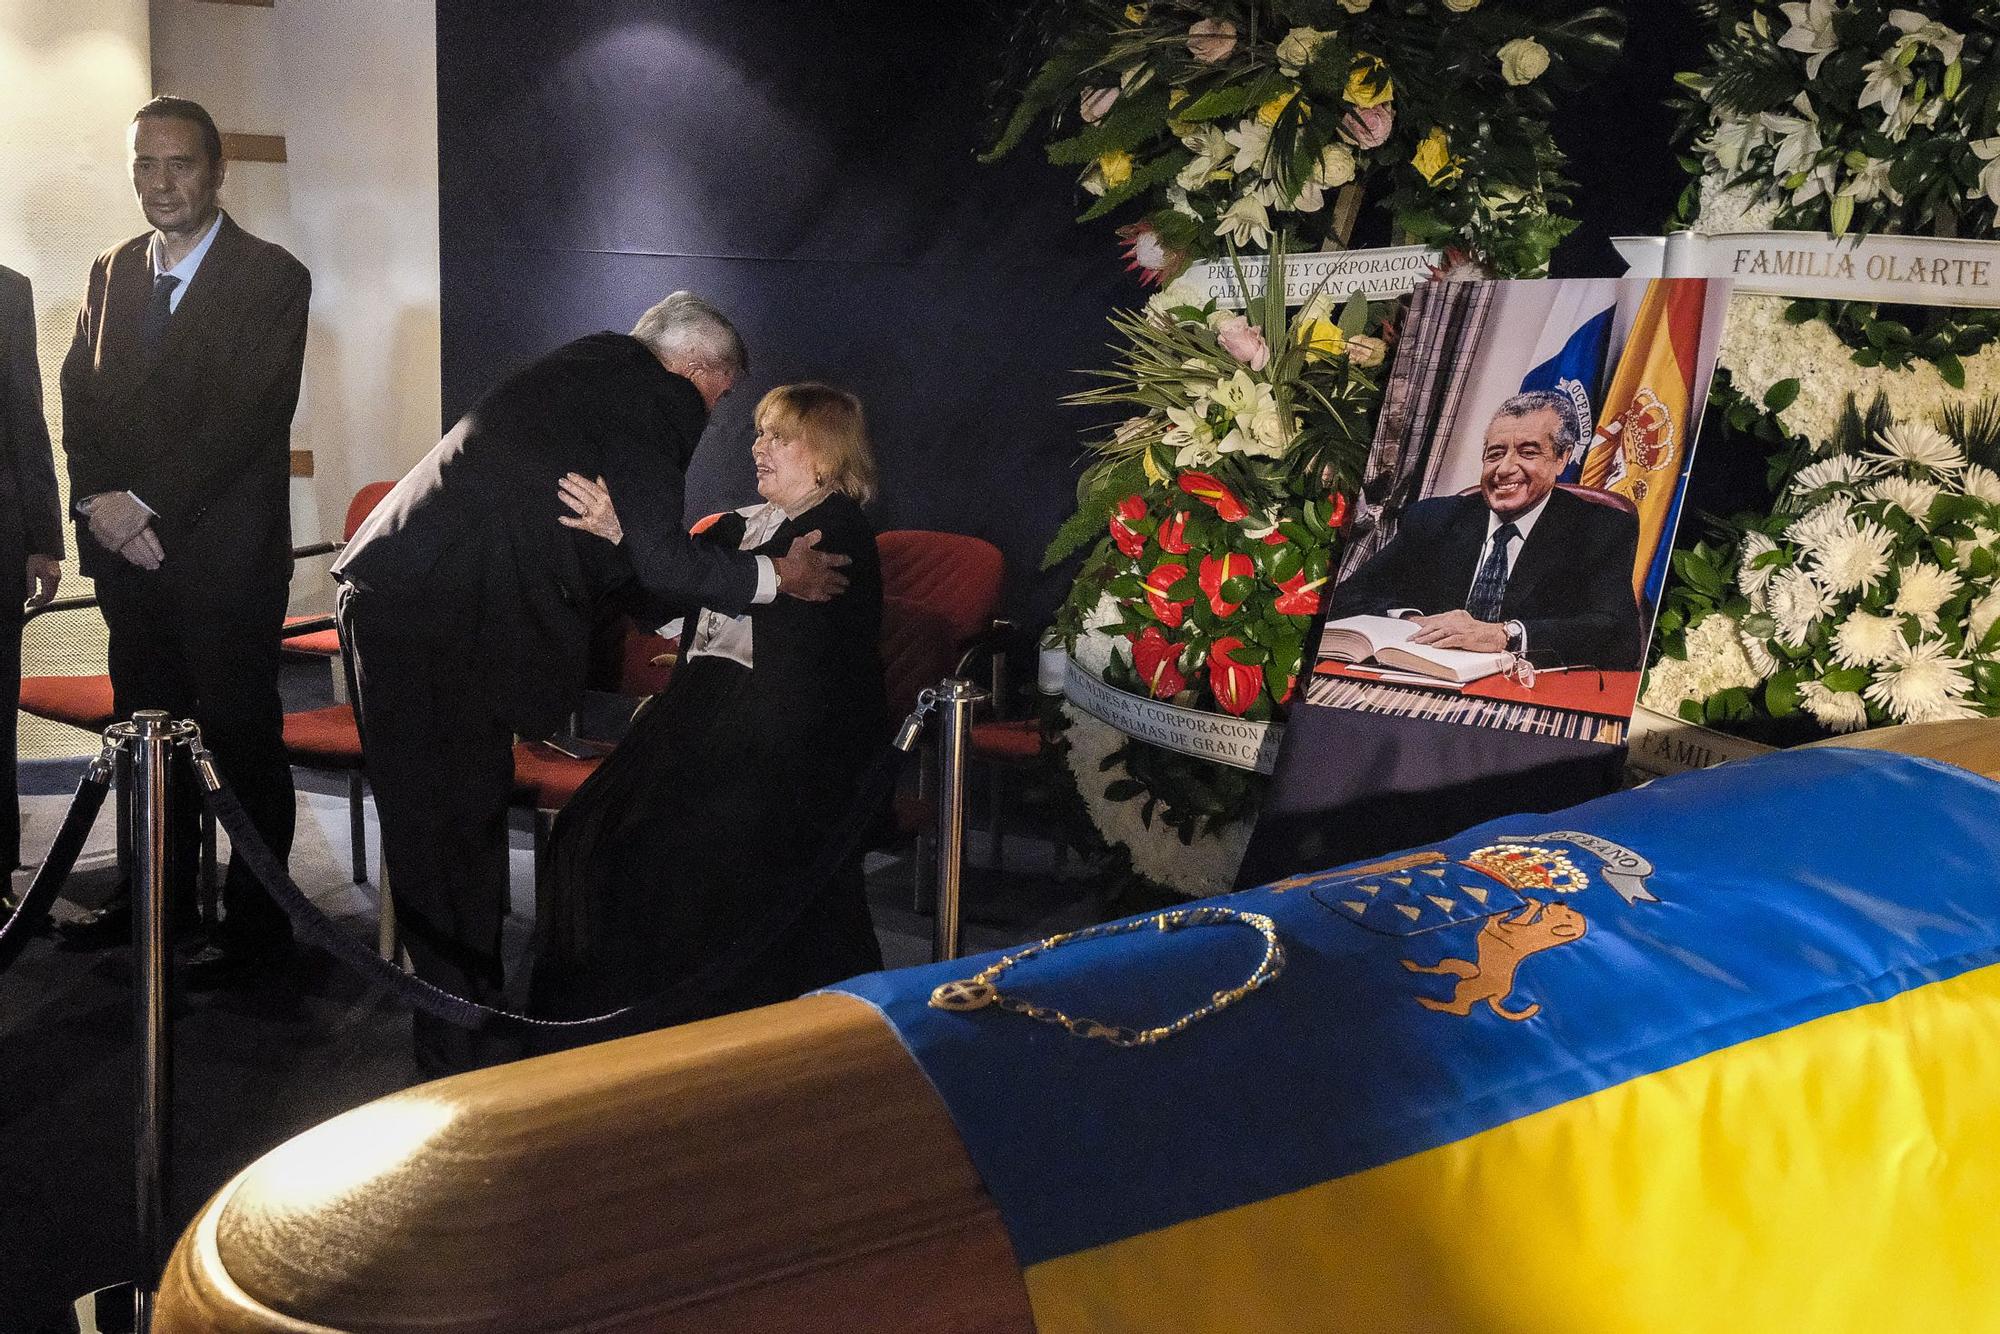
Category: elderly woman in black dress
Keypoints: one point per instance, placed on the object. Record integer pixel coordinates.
(720, 797)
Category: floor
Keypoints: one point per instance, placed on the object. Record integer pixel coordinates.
(253, 1066)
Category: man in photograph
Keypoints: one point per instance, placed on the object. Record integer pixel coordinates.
(178, 393)
(1520, 566)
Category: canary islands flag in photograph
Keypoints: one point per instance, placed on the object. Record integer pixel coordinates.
(1691, 1057)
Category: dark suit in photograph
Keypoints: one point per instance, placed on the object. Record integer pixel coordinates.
(200, 431)
(30, 517)
(1571, 585)
(469, 611)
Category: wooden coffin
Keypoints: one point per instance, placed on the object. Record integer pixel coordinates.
(784, 1169)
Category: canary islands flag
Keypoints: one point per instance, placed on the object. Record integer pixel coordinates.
(1569, 358)
(1646, 431)
(1690, 1058)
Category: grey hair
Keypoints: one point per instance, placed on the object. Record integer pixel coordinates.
(1530, 401)
(684, 327)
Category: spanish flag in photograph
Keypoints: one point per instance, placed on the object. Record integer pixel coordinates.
(1690, 1059)
(1646, 431)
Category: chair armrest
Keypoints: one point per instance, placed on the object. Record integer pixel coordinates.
(310, 627)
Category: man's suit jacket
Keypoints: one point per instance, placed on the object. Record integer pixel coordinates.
(1571, 586)
(202, 435)
(469, 538)
(30, 513)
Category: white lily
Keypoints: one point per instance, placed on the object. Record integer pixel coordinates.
(1921, 30)
(1988, 151)
(1733, 139)
(1871, 182)
(1797, 137)
(1887, 78)
(1246, 223)
(1252, 143)
(1811, 33)
(1210, 151)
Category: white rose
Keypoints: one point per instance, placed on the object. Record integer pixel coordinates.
(1522, 60)
(1295, 52)
(1356, 6)
(1334, 168)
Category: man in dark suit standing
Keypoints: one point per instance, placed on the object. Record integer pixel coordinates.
(468, 609)
(1522, 567)
(178, 395)
(30, 518)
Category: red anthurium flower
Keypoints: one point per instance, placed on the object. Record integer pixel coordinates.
(1162, 577)
(1154, 657)
(1235, 565)
(1236, 684)
(1296, 597)
(1214, 494)
(1274, 538)
(1338, 519)
(1172, 536)
(1129, 542)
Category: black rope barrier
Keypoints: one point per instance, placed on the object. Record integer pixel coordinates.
(676, 1003)
(34, 906)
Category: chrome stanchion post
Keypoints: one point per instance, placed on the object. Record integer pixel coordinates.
(153, 740)
(956, 699)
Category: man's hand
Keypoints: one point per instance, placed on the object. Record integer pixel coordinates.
(144, 550)
(44, 577)
(1459, 629)
(809, 574)
(116, 517)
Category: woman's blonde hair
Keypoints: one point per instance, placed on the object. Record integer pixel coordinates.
(829, 423)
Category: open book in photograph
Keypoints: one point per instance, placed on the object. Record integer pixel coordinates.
(1387, 640)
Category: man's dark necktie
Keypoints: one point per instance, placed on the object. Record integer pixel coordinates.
(1490, 586)
(158, 311)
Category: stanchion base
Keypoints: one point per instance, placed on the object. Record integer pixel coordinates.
(111, 1310)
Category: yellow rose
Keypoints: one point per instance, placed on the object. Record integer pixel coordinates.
(1268, 113)
(1322, 340)
(1135, 14)
(1433, 157)
(1116, 168)
(1368, 82)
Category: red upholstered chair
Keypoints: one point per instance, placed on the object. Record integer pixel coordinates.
(939, 594)
(326, 739)
(311, 634)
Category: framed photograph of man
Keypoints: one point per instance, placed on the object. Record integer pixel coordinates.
(1488, 624)
(1519, 506)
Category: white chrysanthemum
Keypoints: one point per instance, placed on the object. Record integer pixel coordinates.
(1820, 525)
(1907, 494)
(1758, 654)
(1716, 661)
(1797, 603)
(1922, 589)
(1981, 483)
(1839, 710)
(1854, 557)
(1751, 577)
(1865, 639)
(1982, 539)
(1827, 472)
(1921, 445)
(1980, 619)
(1922, 683)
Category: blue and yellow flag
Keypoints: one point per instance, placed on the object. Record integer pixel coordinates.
(1693, 1057)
